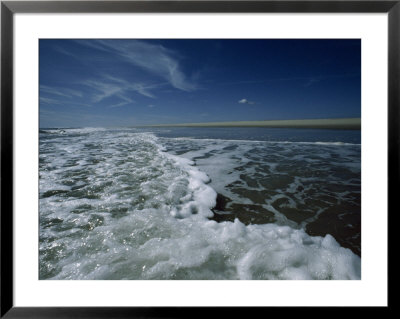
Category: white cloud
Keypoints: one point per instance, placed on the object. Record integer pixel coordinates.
(125, 101)
(108, 86)
(63, 51)
(63, 92)
(104, 89)
(45, 100)
(155, 59)
(59, 101)
(245, 101)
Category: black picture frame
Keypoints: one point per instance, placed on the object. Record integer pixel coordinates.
(9, 8)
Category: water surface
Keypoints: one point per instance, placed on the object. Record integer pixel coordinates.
(200, 203)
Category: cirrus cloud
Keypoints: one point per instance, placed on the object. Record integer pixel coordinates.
(153, 58)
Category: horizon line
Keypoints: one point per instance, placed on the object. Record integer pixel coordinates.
(353, 123)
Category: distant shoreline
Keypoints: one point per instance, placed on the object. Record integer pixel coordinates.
(338, 124)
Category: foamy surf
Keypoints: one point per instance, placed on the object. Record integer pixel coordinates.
(118, 204)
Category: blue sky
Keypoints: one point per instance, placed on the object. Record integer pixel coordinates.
(137, 82)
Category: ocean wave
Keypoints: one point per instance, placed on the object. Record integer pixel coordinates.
(118, 205)
(338, 143)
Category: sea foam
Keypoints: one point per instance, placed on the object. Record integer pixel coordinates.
(132, 210)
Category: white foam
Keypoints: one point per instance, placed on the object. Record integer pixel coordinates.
(195, 248)
(164, 232)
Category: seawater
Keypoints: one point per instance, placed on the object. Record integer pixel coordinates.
(199, 203)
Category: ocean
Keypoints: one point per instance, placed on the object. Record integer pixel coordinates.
(199, 203)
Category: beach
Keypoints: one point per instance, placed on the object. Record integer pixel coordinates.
(189, 203)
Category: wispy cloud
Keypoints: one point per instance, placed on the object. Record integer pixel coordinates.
(46, 100)
(245, 101)
(97, 90)
(102, 89)
(63, 92)
(311, 81)
(63, 51)
(138, 87)
(109, 86)
(50, 95)
(155, 59)
(50, 101)
(242, 82)
(125, 101)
